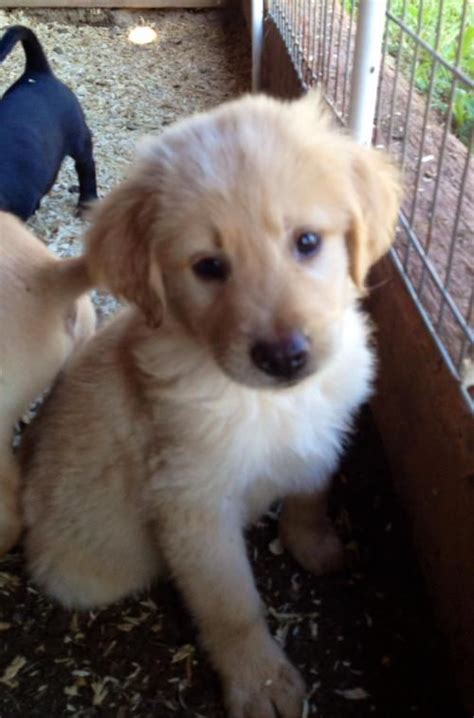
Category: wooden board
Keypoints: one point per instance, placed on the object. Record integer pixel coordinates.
(122, 4)
(428, 433)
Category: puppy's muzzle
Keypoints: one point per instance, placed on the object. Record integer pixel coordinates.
(283, 359)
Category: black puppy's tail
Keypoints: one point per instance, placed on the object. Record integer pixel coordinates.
(35, 58)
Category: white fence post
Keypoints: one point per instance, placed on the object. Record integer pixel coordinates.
(257, 42)
(367, 58)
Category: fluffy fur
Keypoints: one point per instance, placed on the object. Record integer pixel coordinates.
(40, 324)
(164, 439)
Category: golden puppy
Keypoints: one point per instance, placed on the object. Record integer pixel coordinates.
(40, 324)
(243, 237)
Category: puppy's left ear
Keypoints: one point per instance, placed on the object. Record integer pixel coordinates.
(377, 196)
(120, 246)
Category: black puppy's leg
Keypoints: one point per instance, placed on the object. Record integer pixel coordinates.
(87, 182)
(85, 168)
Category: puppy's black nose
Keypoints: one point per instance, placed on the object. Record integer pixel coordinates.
(282, 359)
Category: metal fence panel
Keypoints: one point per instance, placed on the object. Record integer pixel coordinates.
(416, 123)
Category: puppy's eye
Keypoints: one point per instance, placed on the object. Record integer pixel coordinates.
(308, 244)
(211, 269)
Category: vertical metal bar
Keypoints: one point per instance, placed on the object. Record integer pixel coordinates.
(395, 82)
(291, 29)
(367, 56)
(323, 50)
(426, 114)
(307, 15)
(439, 169)
(380, 94)
(314, 68)
(287, 25)
(309, 39)
(348, 56)
(305, 41)
(339, 38)
(410, 90)
(466, 342)
(449, 265)
(297, 33)
(320, 38)
(330, 63)
(406, 123)
(257, 42)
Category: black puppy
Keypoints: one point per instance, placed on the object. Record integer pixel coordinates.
(41, 122)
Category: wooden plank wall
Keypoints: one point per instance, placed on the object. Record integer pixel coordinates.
(428, 433)
(426, 427)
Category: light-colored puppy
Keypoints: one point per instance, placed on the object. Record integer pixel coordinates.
(40, 324)
(243, 236)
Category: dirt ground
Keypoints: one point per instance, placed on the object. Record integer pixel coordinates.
(365, 639)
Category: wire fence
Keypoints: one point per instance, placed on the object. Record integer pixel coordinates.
(425, 119)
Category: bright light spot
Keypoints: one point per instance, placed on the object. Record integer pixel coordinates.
(142, 35)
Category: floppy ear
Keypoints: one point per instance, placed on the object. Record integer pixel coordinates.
(377, 194)
(120, 247)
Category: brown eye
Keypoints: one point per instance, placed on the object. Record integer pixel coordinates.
(308, 244)
(211, 269)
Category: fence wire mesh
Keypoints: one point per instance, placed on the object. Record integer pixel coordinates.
(425, 119)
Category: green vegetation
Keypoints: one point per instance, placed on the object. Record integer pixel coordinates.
(426, 27)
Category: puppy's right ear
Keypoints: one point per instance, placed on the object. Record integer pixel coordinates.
(120, 244)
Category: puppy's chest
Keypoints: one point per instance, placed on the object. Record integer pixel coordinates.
(234, 444)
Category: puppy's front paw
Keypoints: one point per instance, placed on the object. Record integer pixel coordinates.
(317, 549)
(260, 682)
(84, 209)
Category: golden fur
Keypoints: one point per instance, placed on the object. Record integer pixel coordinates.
(163, 439)
(40, 324)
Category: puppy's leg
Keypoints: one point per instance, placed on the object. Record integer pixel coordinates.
(307, 532)
(10, 523)
(206, 553)
(85, 168)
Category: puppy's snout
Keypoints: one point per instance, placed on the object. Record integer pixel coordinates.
(283, 358)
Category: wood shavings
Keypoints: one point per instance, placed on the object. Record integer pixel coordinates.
(12, 670)
(353, 694)
(314, 629)
(183, 653)
(8, 580)
(100, 690)
(72, 691)
(275, 547)
(125, 627)
(285, 616)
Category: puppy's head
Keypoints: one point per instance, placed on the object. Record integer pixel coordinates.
(255, 225)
